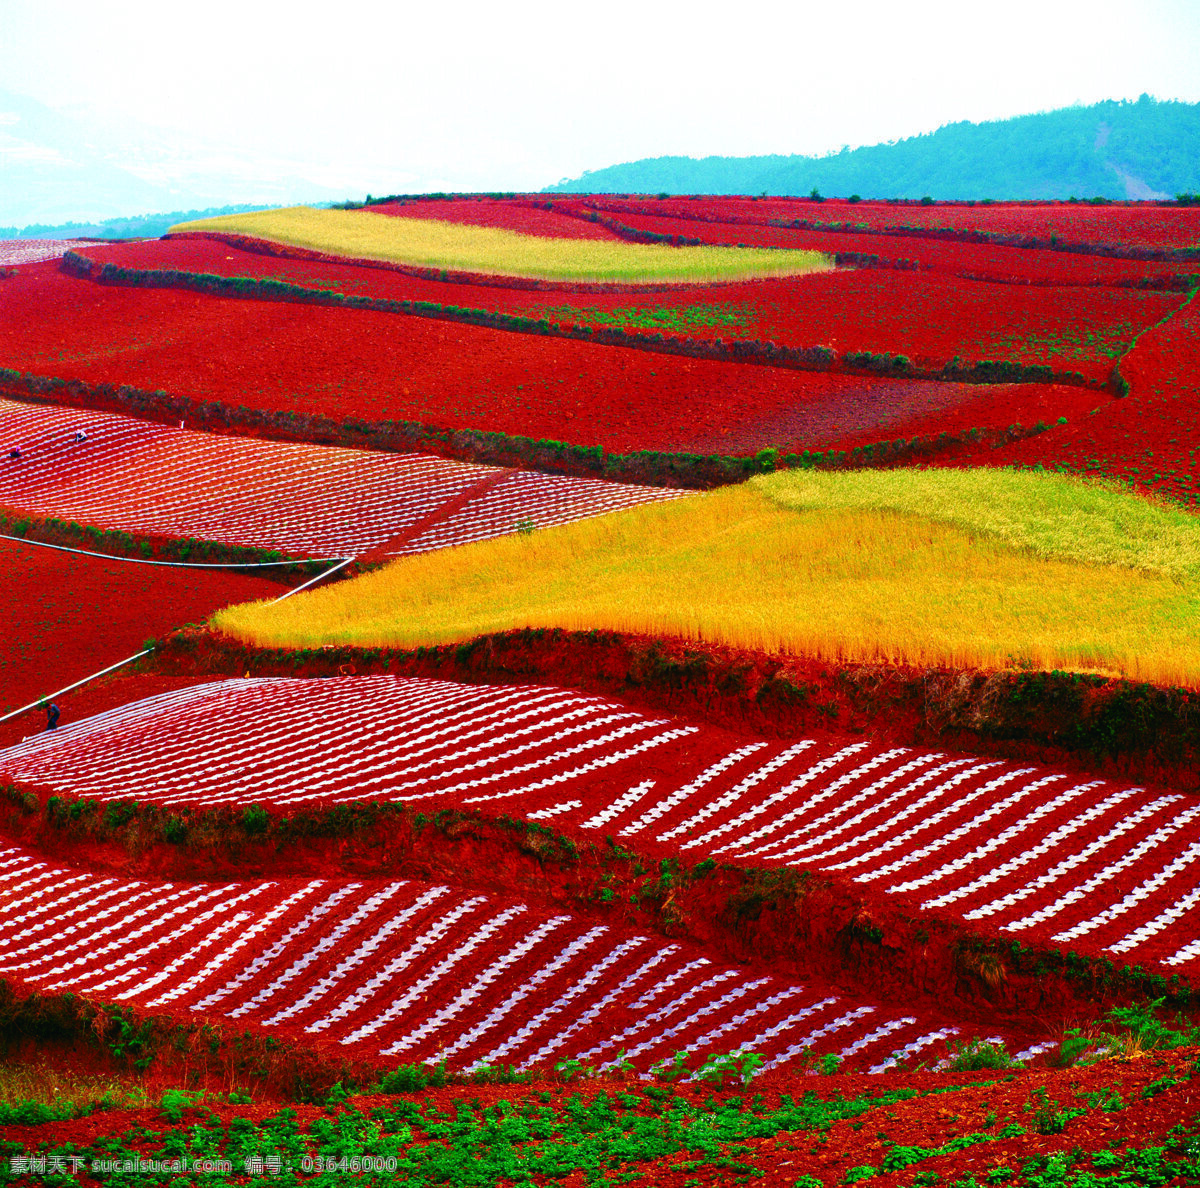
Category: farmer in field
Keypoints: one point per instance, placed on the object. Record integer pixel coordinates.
(52, 715)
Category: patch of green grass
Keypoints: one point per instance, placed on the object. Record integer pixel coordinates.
(677, 318)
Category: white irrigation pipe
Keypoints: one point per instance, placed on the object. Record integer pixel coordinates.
(41, 544)
(313, 581)
(60, 692)
(146, 651)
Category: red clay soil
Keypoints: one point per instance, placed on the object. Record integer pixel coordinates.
(376, 366)
(929, 318)
(64, 617)
(1122, 1104)
(859, 411)
(524, 217)
(1150, 437)
(1008, 265)
(1135, 224)
(833, 937)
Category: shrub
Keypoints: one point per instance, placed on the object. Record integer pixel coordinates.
(1048, 1118)
(977, 1054)
(255, 819)
(175, 1101)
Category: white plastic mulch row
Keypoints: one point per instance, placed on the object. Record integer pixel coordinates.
(34, 251)
(1023, 852)
(135, 476)
(416, 972)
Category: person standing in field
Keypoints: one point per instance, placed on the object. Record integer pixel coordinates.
(52, 715)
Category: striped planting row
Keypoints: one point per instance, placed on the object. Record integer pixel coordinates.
(34, 251)
(416, 972)
(297, 744)
(308, 501)
(1025, 853)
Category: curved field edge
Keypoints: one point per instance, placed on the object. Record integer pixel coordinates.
(783, 922)
(736, 568)
(436, 244)
(1110, 727)
(649, 467)
(818, 357)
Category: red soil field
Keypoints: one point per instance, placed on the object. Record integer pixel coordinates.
(403, 971)
(526, 218)
(1132, 224)
(388, 367)
(1119, 1108)
(1014, 852)
(1149, 438)
(64, 617)
(1074, 329)
(982, 261)
(304, 500)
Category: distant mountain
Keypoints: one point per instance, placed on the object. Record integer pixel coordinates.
(147, 226)
(1116, 149)
(57, 167)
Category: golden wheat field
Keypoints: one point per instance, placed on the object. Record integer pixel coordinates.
(432, 243)
(752, 566)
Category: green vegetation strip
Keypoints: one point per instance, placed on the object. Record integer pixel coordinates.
(653, 467)
(595, 327)
(182, 550)
(466, 1144)
(617, 1137)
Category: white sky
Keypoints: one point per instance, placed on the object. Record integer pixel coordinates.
(470, 95)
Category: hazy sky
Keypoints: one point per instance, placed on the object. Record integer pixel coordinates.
(471, 95)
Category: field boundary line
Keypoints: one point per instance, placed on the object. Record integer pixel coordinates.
(66, 689)
(438, 515)
(313, 581)
(42, 544)
(812, 358)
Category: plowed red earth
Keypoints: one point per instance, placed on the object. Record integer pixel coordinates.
(353, 363)
(1150, 438)
(63, 617)
(1119, 1110)
(526, 218)
(1022, 853)
(928, 317)
(982, 261)
(1132, 224)
(395, 970)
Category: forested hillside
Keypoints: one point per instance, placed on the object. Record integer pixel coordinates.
(1116, 149)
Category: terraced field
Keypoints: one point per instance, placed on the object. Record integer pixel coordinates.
(1017, 851)
(417, 972)
(306, 501)
(651, 859)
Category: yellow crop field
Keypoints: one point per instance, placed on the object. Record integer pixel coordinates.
(432, 243)
(1049, 515)
(741, 566)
